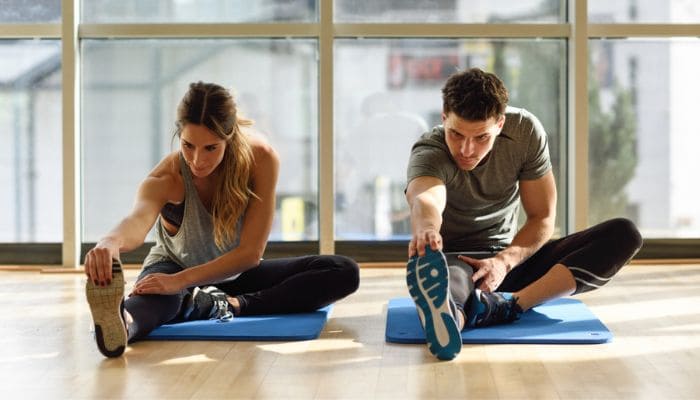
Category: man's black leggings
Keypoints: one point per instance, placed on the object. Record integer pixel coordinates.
(285, 285)
(593, 256)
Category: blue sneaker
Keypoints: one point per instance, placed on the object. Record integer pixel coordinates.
(484, 309)
(428, 283)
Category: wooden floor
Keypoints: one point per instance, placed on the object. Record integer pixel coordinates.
(653, 310)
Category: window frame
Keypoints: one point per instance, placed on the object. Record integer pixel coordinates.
(576, 32)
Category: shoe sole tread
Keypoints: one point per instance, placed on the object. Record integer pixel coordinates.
(428, 283)
(105, 307)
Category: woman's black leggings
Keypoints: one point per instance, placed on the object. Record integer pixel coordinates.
(593, 256)
(286, 285)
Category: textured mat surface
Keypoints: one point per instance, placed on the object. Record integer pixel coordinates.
(304, 326)
(562, 321)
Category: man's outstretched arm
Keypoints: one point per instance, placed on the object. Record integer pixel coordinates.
(426, 197)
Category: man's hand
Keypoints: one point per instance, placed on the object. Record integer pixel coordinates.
(491, 271)
(159, 283)
(427, 237)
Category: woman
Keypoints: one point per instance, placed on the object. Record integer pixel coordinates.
(212, 203)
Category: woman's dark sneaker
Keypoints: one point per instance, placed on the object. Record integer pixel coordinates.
(107, 308)
(428, 279)
(484, 309)
(208, 302)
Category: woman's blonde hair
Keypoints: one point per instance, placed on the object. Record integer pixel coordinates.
(213, 106)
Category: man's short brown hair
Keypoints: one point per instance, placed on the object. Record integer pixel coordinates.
(474, 95)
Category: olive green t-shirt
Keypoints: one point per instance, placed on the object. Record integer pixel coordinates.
(482, 204)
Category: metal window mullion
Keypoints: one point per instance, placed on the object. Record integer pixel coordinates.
(643, 30)
(30, 31)
(452, 30)
(326, 215)
(577, 171)
(98, 31)
(314, 30)
(71, 145)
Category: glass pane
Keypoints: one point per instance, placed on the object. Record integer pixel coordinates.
(450, 11)
(648, 11)
(31, 204)
(643, 134)
(199, 11)
(388, 92)
(35, 11)
(130, 92)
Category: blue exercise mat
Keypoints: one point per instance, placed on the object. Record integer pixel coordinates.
(561, 321)
(277, 327)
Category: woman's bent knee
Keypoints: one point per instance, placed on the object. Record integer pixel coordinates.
(624, 232)
(351, 272)
(347, 272)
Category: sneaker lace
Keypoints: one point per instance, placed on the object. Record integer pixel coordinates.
(220, 307)
(222, 312)
(500, 310)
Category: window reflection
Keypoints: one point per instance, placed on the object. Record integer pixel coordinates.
(388, 93)
(30, 130)
(131, 89)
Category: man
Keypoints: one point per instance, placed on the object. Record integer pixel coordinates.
(466, 180)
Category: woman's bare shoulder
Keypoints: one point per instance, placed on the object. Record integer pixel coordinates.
(166, 176)
(262, 149)
(166, 167)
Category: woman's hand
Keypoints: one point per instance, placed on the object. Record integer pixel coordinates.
(159, 283)
(98, 262)
(491, 271)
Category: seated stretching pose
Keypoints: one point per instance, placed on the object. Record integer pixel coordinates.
(466, 180)
(212, 203)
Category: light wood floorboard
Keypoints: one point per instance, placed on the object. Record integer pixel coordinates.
(653, 310)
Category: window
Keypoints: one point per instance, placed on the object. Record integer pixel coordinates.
(390, 59)
(130, 91)
(450, 11)
(201, 11)
(30, 129)
(643, 141)
(387, 93)
(35, 11)
(636, 11)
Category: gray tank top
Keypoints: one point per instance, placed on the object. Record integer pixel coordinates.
(193, 244)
